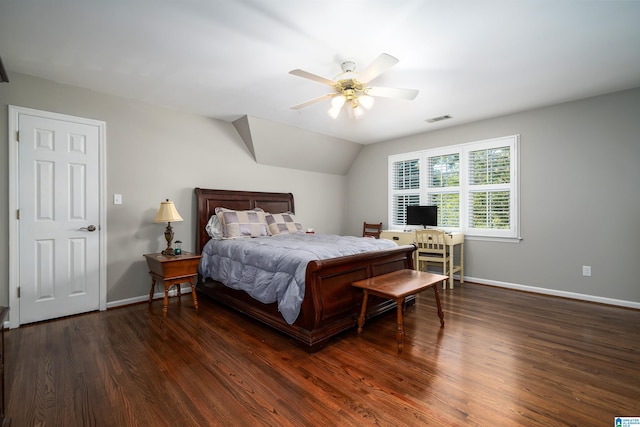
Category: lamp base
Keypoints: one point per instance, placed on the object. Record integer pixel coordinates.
(168, 235)
(168, 252)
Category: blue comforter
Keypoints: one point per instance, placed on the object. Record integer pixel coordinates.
(273, 268)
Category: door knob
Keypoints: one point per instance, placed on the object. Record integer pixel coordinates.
(89, 228)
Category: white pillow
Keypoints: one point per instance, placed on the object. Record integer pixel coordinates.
(214, 229)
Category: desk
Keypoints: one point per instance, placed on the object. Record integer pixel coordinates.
(452, 240)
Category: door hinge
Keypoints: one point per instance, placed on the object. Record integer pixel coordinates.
(18, 214)
(18, 291)
(18, 135)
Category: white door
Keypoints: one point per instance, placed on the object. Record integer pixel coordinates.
(59, 260)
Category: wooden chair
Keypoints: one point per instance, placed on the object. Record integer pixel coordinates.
(371, 230)
(431, 250)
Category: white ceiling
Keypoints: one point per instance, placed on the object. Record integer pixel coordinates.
(229, 58)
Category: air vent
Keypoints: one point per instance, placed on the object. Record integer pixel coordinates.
(438, 119)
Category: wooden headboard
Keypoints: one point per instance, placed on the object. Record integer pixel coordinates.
(208, 200)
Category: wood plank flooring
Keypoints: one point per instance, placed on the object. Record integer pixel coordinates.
(504, 358)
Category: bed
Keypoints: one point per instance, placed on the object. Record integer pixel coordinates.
(330, 304)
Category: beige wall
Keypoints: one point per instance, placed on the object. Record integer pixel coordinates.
(580, 196)
(591, 147)
(153, 154)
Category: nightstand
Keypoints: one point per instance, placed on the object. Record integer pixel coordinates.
(173, 270)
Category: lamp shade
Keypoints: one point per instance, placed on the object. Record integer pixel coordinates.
(167, 213)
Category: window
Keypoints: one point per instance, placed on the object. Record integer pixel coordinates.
(405, 179)
(474, 185)
(443, 187)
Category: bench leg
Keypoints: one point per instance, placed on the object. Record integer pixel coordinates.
(440, 312)
(363, 311)
(400, 331)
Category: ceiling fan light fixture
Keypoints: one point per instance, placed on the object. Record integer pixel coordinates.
(358, 111)
(348, 71)
(349, 87)
(334, 112)
(366, 101)
(346, 77)
(338, 101)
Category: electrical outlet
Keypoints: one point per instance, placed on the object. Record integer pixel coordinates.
(586, 270)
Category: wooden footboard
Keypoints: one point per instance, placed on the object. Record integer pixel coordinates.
(331, 305)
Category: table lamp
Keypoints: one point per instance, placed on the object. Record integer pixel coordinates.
(168, 213)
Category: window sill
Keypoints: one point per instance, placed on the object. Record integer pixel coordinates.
(493, 239)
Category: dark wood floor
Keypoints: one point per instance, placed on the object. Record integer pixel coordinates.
(504, 358)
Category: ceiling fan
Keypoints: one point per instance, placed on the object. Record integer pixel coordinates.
(351, 88)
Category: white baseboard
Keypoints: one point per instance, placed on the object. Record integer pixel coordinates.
(554, 292)
(525, 288)
(143, 298)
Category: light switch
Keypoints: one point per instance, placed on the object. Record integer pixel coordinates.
(117, 199)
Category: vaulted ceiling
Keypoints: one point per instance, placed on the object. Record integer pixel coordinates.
(227, 59)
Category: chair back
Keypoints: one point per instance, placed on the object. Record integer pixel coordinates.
(371, 230)
(431, 241)
(431, 250)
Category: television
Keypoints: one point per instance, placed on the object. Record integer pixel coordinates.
(426, 216)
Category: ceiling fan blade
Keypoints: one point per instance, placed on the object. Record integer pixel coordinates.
(310, 76)
(388, 92)
(313, 101)
(381, 64)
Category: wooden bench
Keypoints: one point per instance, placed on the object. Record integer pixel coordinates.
(397, 286)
